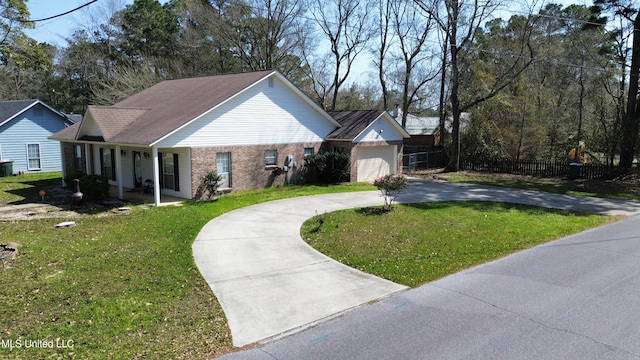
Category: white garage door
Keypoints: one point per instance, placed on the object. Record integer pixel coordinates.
(376, 161)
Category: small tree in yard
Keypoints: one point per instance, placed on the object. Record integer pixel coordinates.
(211, 182)
(390, 187)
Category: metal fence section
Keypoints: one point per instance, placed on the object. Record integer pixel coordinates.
(539, 168)
(422, 160)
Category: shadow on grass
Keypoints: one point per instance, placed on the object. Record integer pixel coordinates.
(29, 191)
(493, 207)
(368, 211)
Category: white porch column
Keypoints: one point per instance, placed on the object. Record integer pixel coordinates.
(119, 172)
(88, 159)
(156, 177)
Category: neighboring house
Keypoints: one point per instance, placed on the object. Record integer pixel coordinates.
(25, 126)
(374, 140)
(246, 126)
(424, 130)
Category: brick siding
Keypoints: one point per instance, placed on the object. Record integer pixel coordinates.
(248, 170)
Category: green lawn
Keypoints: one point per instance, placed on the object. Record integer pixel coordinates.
(119, 286)
(26, 187)
(417, 243)
(125, 286)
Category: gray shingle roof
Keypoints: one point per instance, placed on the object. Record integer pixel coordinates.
(353, 123)
(154, 113)
(8, 109)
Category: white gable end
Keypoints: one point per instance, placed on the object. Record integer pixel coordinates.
(88, 127)
(379, 130)
(267, 113)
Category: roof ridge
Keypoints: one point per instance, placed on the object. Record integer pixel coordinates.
(118, 107)
(217, 75)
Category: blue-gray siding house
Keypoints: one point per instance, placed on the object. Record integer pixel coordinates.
(25, 126)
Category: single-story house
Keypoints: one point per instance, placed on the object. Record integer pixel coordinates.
(25, 128)
(253, 128)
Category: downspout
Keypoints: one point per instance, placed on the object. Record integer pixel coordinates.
(119, 172)
(63, 163)
(156, 177)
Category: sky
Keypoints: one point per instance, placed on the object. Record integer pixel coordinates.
(56, 30)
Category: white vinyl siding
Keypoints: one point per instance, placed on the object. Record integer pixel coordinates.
(33, 157)
(379, 130)
(259, 116)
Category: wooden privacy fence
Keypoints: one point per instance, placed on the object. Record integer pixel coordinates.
(539, 168)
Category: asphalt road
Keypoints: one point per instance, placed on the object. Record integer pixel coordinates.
(574, 298)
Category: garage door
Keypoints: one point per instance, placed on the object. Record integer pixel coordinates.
(376, 161)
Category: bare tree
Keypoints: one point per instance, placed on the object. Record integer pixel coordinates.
(272, 35)
(460, 19)
(346, 25)
(413, 29)
(386, 39)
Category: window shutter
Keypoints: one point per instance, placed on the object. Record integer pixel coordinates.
(175, 173)
(102, 162)
(113, 164)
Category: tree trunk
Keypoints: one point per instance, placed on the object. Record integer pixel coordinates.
(630, 125)
(454, 161)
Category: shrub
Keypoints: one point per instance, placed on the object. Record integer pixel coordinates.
(390, 187)
(211, 182)
(327, 168)
(93, 187)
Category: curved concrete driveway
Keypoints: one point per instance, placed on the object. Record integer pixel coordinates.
(269, 282)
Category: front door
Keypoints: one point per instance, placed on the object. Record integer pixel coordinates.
(223, 164)
(137, 169)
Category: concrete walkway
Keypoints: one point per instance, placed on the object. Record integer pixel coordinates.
(269, 282)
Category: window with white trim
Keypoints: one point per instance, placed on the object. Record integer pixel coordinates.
(308, 151)
(78, 157)
(33, 157)
(107, 158)
(271, 158)
(170, 176)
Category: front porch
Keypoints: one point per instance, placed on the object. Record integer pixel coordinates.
(140, 197)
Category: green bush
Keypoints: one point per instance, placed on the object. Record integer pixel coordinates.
(327, 168)
(211, 182)
(390, 187)
(93, 187)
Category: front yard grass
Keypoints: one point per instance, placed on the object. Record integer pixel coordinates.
(417, 243)
(118, 286)
(16, 189)
(126, 287)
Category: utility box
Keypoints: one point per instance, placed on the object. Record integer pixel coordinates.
(6, 168)
(575, 170)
